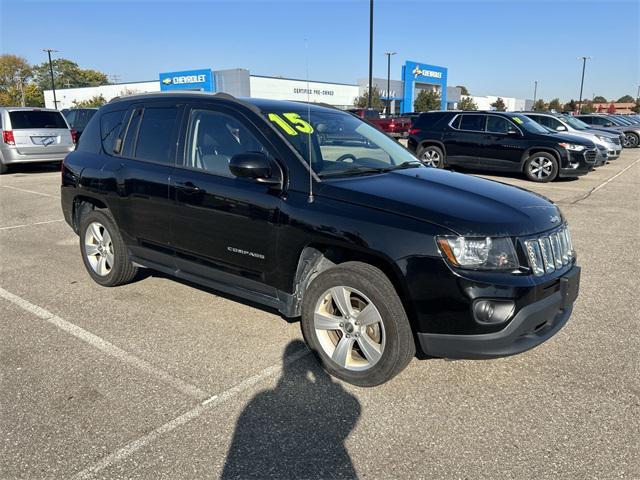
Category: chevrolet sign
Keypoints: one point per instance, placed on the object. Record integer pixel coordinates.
(188, 80)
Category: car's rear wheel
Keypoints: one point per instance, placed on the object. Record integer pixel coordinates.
(3, 168)
(631, 140)
(431, 156)
(541, 167)
(104, 253)
(354, 321)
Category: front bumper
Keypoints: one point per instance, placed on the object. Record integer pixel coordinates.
(534, 324)
(577, 164)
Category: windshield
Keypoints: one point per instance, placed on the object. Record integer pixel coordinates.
(529, 125)
(337, 144)
(575, 123)
(623, 121)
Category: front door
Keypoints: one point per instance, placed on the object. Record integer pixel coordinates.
(504, 144)
(223, 225)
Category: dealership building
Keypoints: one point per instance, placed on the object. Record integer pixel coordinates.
(240, 82)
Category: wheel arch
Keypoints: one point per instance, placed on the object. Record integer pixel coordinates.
(83, 203)
(532, 150)
(433, 143)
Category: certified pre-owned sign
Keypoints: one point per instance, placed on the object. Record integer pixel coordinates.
(188, 80)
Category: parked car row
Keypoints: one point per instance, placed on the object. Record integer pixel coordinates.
(39, 135)
(544, 146)
(629, 125)
(396, 125)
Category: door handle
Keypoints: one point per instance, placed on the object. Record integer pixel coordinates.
(188, 187)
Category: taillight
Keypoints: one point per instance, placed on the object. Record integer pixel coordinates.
(414, 131)
(74, 135)
(8, 138)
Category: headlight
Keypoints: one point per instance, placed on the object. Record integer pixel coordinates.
(572, 146)
(479, 253)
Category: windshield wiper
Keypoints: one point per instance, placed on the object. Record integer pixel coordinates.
(352, 171)
(407, 164)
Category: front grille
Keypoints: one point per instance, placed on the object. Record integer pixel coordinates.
(549, 253)
(590, 156)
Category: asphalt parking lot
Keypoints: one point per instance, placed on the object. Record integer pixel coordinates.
(165, 379)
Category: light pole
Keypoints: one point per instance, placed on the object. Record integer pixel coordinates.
(389, 54)
(535, 92)
(53, 83)
(370, 53)
(584, 64)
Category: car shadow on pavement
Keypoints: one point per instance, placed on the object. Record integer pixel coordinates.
(297, 429)
(22, 169)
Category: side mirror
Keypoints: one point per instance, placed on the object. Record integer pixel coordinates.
(608, 124)
(561, 128)
(254, 166)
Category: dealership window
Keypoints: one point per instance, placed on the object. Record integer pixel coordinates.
(473, 122)
(214, 138)
(156, 134)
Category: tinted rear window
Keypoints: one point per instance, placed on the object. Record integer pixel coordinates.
(110, 125)
(156, 134)
(473, 122)
(427, 120)
(27, 119)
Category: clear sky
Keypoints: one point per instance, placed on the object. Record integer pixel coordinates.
(494, 48)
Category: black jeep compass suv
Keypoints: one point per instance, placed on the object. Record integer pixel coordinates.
(314, 212)
(509, 142)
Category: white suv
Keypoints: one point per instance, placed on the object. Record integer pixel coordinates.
(561, 123)
(33, 135)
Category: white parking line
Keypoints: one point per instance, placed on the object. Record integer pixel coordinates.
(195, 412)
(31, 224)
(104, 346)
(30, 191)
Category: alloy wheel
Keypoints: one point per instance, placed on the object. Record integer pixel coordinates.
(430, 158)
(630, 141)
(349, 328)
(541, 167)
(98, 248)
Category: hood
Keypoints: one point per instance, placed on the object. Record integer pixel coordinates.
(572, 137)
(464, 204)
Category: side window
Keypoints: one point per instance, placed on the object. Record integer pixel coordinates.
(214, 138)
(110, 126)
(554, 123)
(473, 122)
(456, 122)
(132, 133)
(157, 133)
(545, 121)
(498, 124)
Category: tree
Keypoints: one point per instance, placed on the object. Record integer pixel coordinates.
(599, 99)
(555, 105)
(427, 100)
(67, 74)
(570, 106)
(363, 100)
(637, 107)
(539, 106)
(95, 101)
(463, 90)
(587, 107)
(15, 73)
(467, 103)
(499, 105)
(626, 99)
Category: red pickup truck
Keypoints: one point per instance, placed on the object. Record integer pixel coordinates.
(394, 126)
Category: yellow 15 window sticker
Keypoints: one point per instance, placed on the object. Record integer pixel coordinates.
(518, 120)
(291, 124)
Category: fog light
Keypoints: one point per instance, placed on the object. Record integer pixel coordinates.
(493, 311)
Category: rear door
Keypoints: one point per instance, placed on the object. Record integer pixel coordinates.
(464, 139)
(140, 176)
(40, 132)
(504, 144)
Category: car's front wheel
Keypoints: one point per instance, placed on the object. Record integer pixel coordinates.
(355, 323)
(541, 167)
(104, 253)
(431, 156)
(631, 140)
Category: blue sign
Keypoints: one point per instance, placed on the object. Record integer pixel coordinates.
(202, 80)
(421, 73)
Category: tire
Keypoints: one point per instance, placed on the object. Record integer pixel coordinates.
(374, 353)
(631, 140)
(431, 156)
(3, 168)
(541, 167)
(107, 261)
